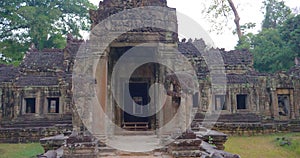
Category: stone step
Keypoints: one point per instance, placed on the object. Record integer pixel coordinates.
(135, 133)
(106, 154)
(140, 154)
(187, 153)
(34, 124)
(295, 128)
(297, 122)
(106, 150)
(249, 118)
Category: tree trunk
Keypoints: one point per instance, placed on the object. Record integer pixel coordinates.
(236, 19)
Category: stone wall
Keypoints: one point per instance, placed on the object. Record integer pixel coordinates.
(270, 101)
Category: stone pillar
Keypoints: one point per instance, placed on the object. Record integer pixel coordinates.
(292, 105)
(297, 101)
(250, 102)
(38, 103)
(233, 103)
(23, 105)
(0, 104)
(182, 111)
(210, 103)
(62, 100)
(43, 102)
(62, 104)
(257, 98)
(100, 122)
(213, 101)
(274, 106)
(188, 107)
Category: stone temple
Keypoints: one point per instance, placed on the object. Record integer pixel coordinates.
(55, 93)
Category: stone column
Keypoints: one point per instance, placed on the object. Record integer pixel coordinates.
(297, 101)
(274, 106)
(258, 106)
(0, 104)
(250, 102)
(43, 102)
(22, 100)
(292, 107)
(233, 103)
(189, 106)
(62, 101)
(38, 103)
(100, 123)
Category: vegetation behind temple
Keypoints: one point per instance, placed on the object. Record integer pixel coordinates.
(278, 43)
(43, 23)
(46, 23)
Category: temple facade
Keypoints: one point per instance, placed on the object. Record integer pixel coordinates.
(37, 98)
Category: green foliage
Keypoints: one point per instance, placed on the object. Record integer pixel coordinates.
(245, 28)
(245, 42)
(270, 52)
(276, 12)
(13, 50)
(277, 44)
(56, 41)
(290, 32)
(42, 22)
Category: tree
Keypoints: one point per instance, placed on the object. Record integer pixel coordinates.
(274, 49)
(44, 23)
(12, 50)
(271, 53)
(224, 8)
(290, 32)
(236, 19)
(277, 44)
(276, 12)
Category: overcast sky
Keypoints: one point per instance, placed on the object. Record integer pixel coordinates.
(249, 10)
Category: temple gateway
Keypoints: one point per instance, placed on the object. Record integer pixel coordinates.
(41, 99)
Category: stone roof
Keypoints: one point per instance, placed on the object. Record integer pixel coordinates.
(109, 7)
(134, 3)
(295, 72)
(48, 67)
(48, 60)
(35, 80)
(8, 73)
(72, 47)
(241, 78)
(41, 68)
(189, 48)
(236, 57)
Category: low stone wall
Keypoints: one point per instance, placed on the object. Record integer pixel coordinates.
(246, 124)
(251, 129)
(34, 134)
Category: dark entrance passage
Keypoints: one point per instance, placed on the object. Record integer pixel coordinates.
(30, 105)
(136, 113)
(139, 95)
(283, 105)
(241, 102)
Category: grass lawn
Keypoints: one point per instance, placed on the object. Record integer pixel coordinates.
(266, 146)
(20, 150)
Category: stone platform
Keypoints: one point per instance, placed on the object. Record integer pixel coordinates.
(188, 145)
